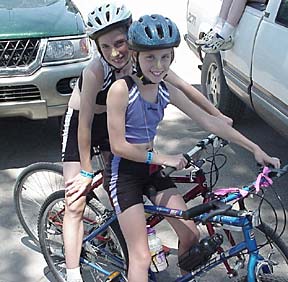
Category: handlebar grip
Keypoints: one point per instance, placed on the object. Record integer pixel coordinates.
(167, 171)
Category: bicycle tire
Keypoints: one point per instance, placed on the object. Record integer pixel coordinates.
(51, 240)
(31, 188)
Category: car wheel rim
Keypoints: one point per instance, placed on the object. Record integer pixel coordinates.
(212, 84)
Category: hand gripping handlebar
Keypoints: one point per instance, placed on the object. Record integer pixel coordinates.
(202, 144)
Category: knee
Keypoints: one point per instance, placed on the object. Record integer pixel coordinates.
(76, 209)
(140, 260)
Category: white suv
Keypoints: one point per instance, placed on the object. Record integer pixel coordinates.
(254, 72)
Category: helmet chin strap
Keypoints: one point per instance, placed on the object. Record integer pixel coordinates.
(119, 69)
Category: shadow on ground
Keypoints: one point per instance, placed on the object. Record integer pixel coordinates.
(23, 142)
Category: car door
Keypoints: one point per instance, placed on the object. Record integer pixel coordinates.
(237, 61)
(270, 66)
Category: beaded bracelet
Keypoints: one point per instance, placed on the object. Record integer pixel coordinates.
(87, 174)
(149, 157)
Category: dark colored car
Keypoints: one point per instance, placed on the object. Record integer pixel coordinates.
(43, 49)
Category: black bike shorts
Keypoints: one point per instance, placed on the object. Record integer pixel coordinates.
(127, 181)
(99, 135)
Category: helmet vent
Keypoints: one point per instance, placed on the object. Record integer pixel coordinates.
(160, 31)
(148, 32)
(98, 20)
(108, 16)
(170, 30)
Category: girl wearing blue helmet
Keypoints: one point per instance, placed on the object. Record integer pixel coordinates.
(135, 106)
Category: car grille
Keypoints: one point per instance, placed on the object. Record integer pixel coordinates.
(18, 53)
(19, 93)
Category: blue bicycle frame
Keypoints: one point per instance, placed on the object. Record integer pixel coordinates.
(92, 235)
(249, 244)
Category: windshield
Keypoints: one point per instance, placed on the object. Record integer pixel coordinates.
(11, 4)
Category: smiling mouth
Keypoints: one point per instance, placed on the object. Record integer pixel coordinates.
(157, 73)
(118, 60)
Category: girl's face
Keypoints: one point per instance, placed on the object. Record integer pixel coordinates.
(155, 63)
(114, 48)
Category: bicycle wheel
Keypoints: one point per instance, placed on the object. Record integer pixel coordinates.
(276, 250)
(107, 250)
(31, 188)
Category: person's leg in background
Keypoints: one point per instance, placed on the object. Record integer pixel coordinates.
(217, 26)
(229, 17)
(223, 15)
(234, 15)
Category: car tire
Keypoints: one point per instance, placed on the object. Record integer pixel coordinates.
(215, 88)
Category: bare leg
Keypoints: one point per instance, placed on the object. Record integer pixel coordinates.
(225, 7)
(133, 225)
(236, 10)
(72, 222)
(234, 16)
(73, 228)
(186, 230)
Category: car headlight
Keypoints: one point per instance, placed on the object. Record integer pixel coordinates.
(67, 49)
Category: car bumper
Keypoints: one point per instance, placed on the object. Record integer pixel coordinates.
(38, 96)
(190, 40)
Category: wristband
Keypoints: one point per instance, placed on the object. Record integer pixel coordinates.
(87, 174)
(149, 157)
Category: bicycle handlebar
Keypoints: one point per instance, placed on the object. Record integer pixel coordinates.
(278, 172)
(219, 207)
(201, 145)
(214, 207)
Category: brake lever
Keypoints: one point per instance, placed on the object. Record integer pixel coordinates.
(277, 172)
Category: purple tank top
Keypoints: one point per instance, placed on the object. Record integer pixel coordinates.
(143, 117)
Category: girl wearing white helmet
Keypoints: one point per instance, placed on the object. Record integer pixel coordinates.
(86, 117)
(107, 25)
(135, 106)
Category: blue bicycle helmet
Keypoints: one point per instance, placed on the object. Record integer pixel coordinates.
(152, 33)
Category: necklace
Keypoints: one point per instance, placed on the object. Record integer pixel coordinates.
(145, 122)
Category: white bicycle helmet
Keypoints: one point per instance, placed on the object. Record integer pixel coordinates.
(106, 17)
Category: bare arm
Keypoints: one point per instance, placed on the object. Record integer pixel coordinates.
(196, 96)
(92, 84)
(218, 126)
